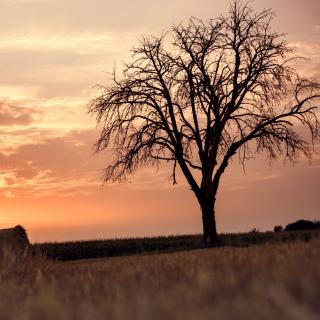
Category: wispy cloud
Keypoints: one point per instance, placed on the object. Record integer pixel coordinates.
(316, 28)
(309, 51)
(11, 114)
(61, 165)
(78, 43)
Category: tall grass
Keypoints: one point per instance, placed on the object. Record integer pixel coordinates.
(270, 281)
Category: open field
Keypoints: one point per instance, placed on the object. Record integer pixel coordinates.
(75, 250)
(275, 280)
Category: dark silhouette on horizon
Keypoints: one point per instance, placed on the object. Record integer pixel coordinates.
(278, 228)
(200, 95)
(14, 239)
(302, 225)
(298, 225)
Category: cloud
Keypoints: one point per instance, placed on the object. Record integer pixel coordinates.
(26, 2)
(63, 165)
(12, 114)
(309, 51)
(29, 121)
(76, 43)
(57, 165)
(316, 28)
(101, 15)
(67, 46)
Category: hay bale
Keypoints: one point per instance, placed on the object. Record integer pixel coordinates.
(15, 240)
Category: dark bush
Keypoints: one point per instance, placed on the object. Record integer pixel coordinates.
(303, 225)
(277, 228)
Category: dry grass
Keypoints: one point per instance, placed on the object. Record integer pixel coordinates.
(270, 281)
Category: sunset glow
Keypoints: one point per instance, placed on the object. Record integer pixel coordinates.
(52, 56)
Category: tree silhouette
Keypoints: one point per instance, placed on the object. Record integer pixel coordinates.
(203, 93)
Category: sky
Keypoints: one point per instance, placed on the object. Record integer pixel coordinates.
(52, 56)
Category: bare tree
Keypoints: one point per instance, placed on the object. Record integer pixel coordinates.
(203, 93)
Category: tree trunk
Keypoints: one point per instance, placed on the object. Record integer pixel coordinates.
(209, 222)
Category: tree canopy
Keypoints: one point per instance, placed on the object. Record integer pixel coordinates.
(200, 94)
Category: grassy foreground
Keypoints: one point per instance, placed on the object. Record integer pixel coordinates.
(276, 280)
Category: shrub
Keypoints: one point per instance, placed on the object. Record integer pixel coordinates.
(303, 225)
(277, 228)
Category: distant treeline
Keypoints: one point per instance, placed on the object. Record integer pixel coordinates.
(299, 225)
(75, 250)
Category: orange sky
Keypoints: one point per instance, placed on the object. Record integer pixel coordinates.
(52, 53)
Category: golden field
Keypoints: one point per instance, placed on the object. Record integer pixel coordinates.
(269, 281)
